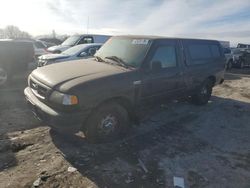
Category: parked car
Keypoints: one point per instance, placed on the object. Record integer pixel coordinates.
(77, 52)
(76, 40)
(229, 58)
(243, 46)
(14, 59)
(54, 41)
(240, 57)
(40, 47)
(244, 59)
(101, 95)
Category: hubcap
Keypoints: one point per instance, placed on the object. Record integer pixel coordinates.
(108, 124)
(3, 76)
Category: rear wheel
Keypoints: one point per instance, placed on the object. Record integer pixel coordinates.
(107, 123)
(203, 94)
(241, 65)
(3, 76)
(229, 65)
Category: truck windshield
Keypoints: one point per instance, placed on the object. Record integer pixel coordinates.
(129, 50)
(71, 41)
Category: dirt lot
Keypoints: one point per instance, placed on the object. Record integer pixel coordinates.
(207, 146)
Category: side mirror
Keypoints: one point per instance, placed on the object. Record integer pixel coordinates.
(83, 54)
(92, 51)
(156, 66)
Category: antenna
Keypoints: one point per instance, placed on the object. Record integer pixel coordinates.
(88, 25)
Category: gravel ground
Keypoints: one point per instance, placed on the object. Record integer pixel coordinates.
(207, 146)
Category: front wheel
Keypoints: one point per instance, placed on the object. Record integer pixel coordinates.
(203, 94)
(108, 122)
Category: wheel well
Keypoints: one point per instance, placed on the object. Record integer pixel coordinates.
(212, 79)
(124, 102)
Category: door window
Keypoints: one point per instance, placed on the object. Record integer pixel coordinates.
(86, 40)
(199, 51)
(166, 55)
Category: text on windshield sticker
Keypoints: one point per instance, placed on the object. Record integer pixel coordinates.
(140, 41)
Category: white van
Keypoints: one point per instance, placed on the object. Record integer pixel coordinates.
(78, 39)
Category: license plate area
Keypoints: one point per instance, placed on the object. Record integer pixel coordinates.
(33, 109)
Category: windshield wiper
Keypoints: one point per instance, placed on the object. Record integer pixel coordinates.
(119, 61)
(98, 58)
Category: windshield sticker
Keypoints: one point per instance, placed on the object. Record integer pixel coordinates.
(140, 41)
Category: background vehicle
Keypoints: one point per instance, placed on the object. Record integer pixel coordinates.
(40, 47)
(243, 46)
(229, 58)
(53, 41)
(241, 57)
(14, 59)
(101, 96)
(77, 52)
(244, 59)
(76, 40)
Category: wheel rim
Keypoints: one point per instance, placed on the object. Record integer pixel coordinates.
(108, 125)
(3, 76)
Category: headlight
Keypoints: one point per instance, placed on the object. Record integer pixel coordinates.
(70, 99)
(65, 99)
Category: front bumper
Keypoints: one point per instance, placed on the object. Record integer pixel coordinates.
(65, 121)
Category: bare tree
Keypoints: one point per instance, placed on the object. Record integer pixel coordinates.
(14, 32)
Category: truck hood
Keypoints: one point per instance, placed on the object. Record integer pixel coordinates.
(59, 47)
(53, 56)
(58, 74)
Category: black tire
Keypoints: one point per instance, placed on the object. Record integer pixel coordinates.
(229, 65)
(241, 65)
(203, 93)
(107, 123)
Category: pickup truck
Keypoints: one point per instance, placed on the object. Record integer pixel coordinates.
(100, 96)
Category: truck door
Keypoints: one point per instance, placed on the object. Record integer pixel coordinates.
(164, 77)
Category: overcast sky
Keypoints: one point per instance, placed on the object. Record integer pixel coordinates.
(217, 19)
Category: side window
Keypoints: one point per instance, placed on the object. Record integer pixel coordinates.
(86, 40)
(166, 55)
(39, 45)
(199, 51)
(216, 51)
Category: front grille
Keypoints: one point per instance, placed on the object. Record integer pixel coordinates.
(39, 90)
